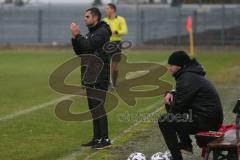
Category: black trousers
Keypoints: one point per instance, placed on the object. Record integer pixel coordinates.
(177, 133)
(174, 130)
(96, 98)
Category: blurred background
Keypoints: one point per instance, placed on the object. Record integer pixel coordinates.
(35, 40)
(150, 22)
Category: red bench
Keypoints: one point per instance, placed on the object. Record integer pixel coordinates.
(230, 143)
(224, 147)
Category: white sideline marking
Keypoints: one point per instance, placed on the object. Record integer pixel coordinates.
(34, 108)
(74, 155)
(77, 153)
(38, 107)
(131, 127)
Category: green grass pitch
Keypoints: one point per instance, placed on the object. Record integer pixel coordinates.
(39, 134)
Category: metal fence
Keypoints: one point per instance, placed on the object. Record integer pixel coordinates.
(148, 24)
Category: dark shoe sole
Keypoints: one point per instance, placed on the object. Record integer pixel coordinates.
(109, 146)
(87, 145)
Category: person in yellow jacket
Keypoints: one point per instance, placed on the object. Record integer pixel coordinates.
(119, 28)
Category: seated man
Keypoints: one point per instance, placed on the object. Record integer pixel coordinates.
(196, 97)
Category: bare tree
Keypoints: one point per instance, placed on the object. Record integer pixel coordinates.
(97, 2)
(177, 3)
(151, 1)
(8, 1)
(17, 2)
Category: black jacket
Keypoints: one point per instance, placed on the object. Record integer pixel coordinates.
(194, 91)
(92, 44)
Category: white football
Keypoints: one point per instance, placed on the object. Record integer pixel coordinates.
(168, 154)
(160, 156)
(157, 156)
(137, 156)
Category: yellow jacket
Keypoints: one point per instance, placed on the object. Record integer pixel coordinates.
(117, 24)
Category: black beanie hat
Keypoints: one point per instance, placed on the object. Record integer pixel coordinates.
(179, 58)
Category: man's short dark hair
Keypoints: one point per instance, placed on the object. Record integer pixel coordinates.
(95, 12)
(113, 6)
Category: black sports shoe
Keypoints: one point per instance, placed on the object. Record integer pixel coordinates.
(91, 143)
(104, 143)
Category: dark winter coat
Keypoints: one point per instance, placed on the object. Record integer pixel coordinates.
(92, 44)
(194, 91)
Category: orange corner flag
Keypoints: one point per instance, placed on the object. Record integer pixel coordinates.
(189, 24)
(189, 29)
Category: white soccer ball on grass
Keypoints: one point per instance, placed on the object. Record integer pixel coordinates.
(161, 156)
(137, 156)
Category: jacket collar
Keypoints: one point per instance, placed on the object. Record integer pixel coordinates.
(178, 73)
(193, 67)
(94, 28)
